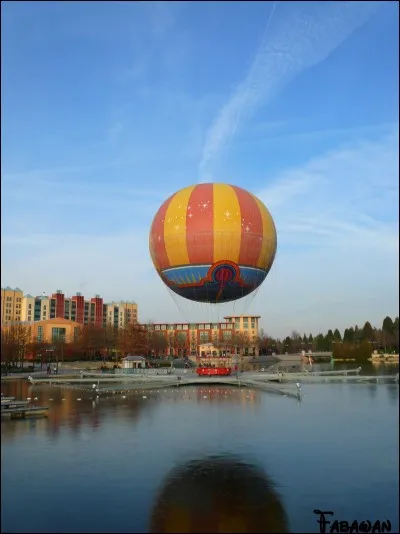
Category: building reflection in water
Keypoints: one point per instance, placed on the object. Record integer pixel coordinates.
(72, 410)
(218, 494)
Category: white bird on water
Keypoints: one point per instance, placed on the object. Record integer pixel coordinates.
(298, 386)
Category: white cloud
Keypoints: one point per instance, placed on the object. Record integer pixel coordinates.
(305, 35)
(338, 240)
(337, 261)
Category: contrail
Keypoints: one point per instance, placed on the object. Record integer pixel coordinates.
(304, 37)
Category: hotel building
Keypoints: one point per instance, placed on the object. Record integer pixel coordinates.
(237, 333)
(11, 305)
(16, 307)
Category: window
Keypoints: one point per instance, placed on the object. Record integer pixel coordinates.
(163, 327)
(40, 333)
(204, 337)
(157, 327)
(201, 326)
(193, 326)
(185, 327)
(29, 306)
(58, 334)
(207, 327)
(223, 326)
(179, 327)
(237, 325)
(76, 333)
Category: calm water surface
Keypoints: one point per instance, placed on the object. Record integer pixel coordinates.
(201, 460)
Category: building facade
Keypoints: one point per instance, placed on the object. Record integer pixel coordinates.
(16, 307)
(11, 305)
(55, 330)
(119, 314)
(237, 334)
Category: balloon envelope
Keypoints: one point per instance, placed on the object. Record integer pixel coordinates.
(213, 242)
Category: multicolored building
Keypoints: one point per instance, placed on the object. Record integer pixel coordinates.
(16, 307)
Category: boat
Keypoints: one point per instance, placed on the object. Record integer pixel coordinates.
(12, 403)
(213, 371)
(4, 400)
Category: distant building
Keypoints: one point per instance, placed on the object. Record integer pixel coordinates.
(133, 362)
(49, 330)
(17, 307)
(55, 330)
(11, 305)
(235, 334)
(119, 314)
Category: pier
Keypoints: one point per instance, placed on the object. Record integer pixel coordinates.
(274, 382)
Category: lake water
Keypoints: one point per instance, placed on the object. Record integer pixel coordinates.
(201, 459)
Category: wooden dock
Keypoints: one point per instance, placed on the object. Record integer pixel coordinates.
(23, 412)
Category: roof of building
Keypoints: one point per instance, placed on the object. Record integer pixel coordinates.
(239, 316)
(58, 320)
(131, 358)
(28, 296)
(8, 288)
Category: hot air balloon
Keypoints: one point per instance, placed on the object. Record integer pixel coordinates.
(213, 242)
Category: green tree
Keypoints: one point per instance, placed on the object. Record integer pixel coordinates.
(337, 335)
(320, 342)
(388, 325)
(367, 332)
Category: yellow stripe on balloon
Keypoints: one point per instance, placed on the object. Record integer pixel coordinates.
(175, 228)
(268, 249)
(227, 223)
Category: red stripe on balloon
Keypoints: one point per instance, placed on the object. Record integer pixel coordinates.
(252, 228)
(200, 225)
(157, 241)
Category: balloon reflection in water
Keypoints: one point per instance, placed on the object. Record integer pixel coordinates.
(218, 494)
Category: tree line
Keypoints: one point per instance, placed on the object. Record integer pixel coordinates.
(108, 342)
(17, 342)
(357, 342)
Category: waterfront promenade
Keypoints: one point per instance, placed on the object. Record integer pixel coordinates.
(288, 384)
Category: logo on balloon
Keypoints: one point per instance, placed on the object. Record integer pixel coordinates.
(224, 273)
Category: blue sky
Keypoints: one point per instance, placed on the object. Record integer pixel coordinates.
(107, 108)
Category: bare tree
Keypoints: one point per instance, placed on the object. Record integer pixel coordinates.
(15, 341)
(133, 339)
(158, 343)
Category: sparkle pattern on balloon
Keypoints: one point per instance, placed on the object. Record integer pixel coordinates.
(210, 226)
